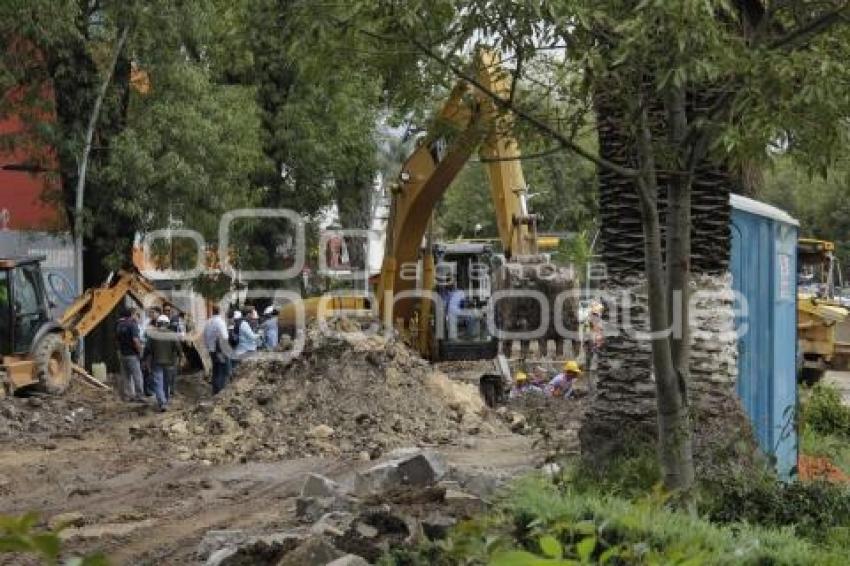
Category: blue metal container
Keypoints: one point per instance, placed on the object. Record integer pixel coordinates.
(764, 273)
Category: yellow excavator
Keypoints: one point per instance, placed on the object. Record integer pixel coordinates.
(469, 121)
(823, 324)
(35, 350)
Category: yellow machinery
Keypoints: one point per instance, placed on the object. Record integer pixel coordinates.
(35, 350)
(823, 326)
(470, 120)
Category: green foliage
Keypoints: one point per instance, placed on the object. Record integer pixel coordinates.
(20, 535)
(629, 475)
(817, 200)
(537, 524)
(824, 413)
(817, 511)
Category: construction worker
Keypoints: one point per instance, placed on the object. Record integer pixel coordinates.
(562, 384)
(522, 386)
(245, 328)
(269, 328)
(165, 354)
(130, 349)
(215, 341)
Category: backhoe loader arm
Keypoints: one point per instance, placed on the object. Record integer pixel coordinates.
(89, 310)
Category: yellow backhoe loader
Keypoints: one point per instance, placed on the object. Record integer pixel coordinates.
(468, 122)
(35, 351)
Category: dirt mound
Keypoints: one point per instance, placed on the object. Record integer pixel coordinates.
(349, 394)
(24, 419)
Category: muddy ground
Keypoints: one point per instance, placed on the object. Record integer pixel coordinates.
(137, 499)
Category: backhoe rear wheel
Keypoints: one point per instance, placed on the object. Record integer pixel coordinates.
(52, 361)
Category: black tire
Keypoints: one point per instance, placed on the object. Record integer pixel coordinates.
(52, 361)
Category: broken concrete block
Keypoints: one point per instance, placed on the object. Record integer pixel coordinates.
(414, 468)
(366, 531)
(315, 551)
(349, 560)
(422, 469)
(377, 479)
(311, 509)
(334, 523)
(219, 557)
(317, 485)
(218, 539)
(463, 503)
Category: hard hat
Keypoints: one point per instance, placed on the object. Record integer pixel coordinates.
(571, 366)
(520, 376)
(163, 319)
(597, 308)
(269, 310)
(237, 315)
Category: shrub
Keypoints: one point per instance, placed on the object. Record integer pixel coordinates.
(824, 413)
(818, 511)
(538, 523)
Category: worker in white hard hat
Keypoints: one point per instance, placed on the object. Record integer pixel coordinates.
(269, 329)
(165, 356)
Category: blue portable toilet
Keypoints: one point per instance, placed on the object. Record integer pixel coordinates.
(764, 273)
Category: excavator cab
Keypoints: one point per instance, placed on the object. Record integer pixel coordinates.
(462, 280)
(29, 356)
(23, 303)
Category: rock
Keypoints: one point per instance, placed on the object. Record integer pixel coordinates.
(366, 531)
(217, 539)
(377, 479)
(179, 428)
(422, 470)
(315, 551)
(364, 456)
(35, 402)
(334, 524)
(70, 519)
(220, 556)
(256, 550)
(464, 503)
(518, 422)
(322, 432)
(311, 509)
(436, 527)
(410, 468)
(317, 485)
(349, 560)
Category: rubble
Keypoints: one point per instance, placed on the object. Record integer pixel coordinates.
(417, 468)
(350, 394)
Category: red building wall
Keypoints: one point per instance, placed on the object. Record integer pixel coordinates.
(27, 199)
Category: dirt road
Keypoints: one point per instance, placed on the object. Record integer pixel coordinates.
(136, 499)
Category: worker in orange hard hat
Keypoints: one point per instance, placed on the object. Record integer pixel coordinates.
(562, 384)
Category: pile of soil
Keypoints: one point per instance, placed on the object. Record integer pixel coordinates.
(348, 394)
(42, 417)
